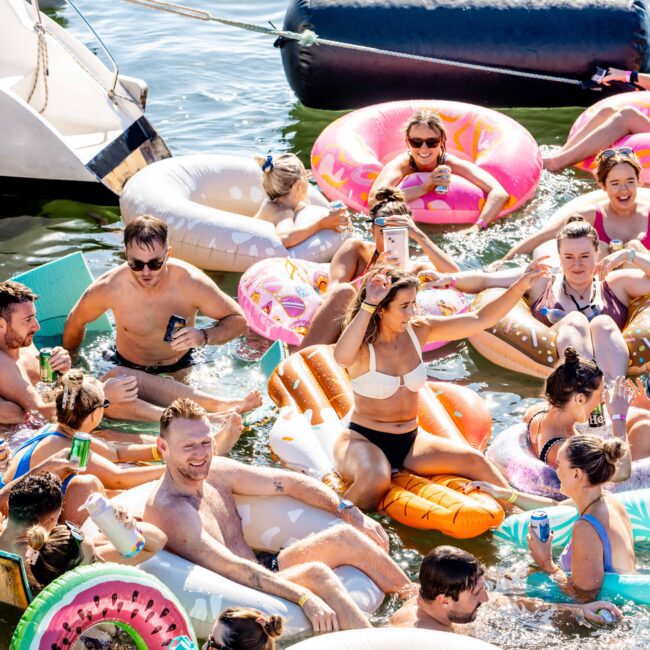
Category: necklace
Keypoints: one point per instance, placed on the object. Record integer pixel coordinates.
(591, 503)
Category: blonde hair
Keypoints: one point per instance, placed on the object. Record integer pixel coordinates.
(78, 396)
(52, 554)
(279, 173)
(248, 629)
(183, 408)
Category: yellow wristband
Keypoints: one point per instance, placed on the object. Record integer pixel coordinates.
(369, 308)
(512, 498)
(303, 599)
(156, 453)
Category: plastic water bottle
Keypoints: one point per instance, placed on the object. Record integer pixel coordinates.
(553, 315)
(127, 541)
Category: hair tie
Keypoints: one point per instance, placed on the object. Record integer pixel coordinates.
(31, 555)
(261, 621)
(268, 163)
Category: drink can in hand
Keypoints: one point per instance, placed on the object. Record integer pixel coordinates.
(80, 450)
(539, 524)
(443, 189)
(48, 375)
(615, 245)
(175, 323)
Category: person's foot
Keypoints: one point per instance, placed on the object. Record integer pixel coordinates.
(251, 401)
(552, 163)
(226, 438)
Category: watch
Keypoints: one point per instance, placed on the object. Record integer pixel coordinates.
(344, 504)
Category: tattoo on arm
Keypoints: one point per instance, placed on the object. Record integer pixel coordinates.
(278, 486)
(255, 579)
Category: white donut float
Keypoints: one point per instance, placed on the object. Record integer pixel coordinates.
(269, 524)
(208, 201)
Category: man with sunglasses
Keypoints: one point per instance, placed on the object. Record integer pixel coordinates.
(144, 293)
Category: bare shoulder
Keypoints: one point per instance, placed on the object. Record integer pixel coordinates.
(274, 212)
(109, 282)
(163, 506)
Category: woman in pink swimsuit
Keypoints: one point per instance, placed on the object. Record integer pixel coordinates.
(594, 296)
(620, 211)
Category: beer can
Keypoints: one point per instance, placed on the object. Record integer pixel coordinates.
(615, 245)
(539, 524)
(80, 451)
(175, 323)
(48, 376)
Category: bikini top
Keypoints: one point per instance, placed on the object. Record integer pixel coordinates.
(567, 554)
(379, 385)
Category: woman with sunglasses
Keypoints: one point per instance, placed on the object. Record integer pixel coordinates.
(606, 126)
(426, 141)
(286, 182)
(621, 211)
(244, 628)
(587, 299)
(80, 404)
(357, 257)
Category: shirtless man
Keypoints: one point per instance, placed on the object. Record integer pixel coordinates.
(198, 491)
(143, 294)
(452, 588)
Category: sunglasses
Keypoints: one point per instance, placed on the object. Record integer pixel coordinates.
(211, 644)
(104, 405)
(378, 221)
(75, 532)
(432, 143)
(152, 265)
(621, 151)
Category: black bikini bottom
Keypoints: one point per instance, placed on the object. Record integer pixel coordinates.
(395, 446)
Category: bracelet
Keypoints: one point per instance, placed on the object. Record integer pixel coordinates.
(628, 76)
(512, 498)
(482, 223)
(453, 282)
(303, 599)
(631, 254)
(155, 452)
(366, 306)
(205, 336)
(619, 416)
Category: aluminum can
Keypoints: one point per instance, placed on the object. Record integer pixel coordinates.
(597, 417)
(615, 245)
(442, 189)
(607, 616)
(175, 323)
(539, 524)
(48, 376)
(80, 450)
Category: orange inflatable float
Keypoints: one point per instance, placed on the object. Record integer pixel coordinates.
(315, 398)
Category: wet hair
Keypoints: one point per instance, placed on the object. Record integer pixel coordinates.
(13, 293)
(146, 231)
(76, 398)
(399, 280)
(605, 165)
(279, 176)
(58, 552)
(183, 408)
(574, 375)
(34, 497)
(575, 227)
(389, 202)
(448, 570)
(434, 122)
(596, 457)
(245, 628)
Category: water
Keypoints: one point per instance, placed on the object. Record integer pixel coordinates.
(220, 90)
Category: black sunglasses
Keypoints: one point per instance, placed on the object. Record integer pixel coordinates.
(75, 531)
(621, 151)
(104, 405)
(211, 644)
(153, 265)
(416, 143)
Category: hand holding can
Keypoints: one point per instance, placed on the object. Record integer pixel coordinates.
(442, 175)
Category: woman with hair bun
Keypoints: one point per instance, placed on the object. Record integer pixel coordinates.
(286, 183)
(586, 302)
(357, 257)
(80, 405)
(244, 628)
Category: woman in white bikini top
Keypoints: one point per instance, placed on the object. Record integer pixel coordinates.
(381, 347)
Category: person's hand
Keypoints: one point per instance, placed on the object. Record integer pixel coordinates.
(123, 516)
(495, 491)
(321, 616)
(590, 611)
(430, 279)
(541, 551)
(60, 359)
(613, 74)
(59, 464)
(369, 527)
(186, 338)
(610, 262)
(403, 221)
(639, 396)
(377, 288)
(441, 175)
(336, 219)
(121, 389)
(533, 273)
(618, 397)
(387, 258)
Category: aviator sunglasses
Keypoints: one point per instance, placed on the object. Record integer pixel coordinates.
(416, 143)
(152, 265)
(621, 151)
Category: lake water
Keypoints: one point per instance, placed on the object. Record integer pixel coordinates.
(221, 90)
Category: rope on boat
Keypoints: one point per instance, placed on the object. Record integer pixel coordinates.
(42, 64)
(309, 38)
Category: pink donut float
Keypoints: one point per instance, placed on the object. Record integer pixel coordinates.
(349, 154)
(640, 142)
(280, 297)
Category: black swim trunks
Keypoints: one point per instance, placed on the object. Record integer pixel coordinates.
(268, 560)
(190, 358)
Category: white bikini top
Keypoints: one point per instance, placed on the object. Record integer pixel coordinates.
(379, 385)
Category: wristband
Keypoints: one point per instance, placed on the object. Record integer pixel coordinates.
(512, 498)
(303, 599)
(205, 336)
(628, 76)
(366, 306)
(453, 282)
(631, 254)
(155, 452)
(619, 416)
(482, 223)
(634, 77)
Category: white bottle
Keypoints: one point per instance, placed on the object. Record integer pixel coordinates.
(127, 541)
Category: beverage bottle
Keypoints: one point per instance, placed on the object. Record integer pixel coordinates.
(127, 541)
(597, 417)
(553, 315)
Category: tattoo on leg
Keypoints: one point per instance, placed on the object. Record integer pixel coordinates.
(278, 486)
